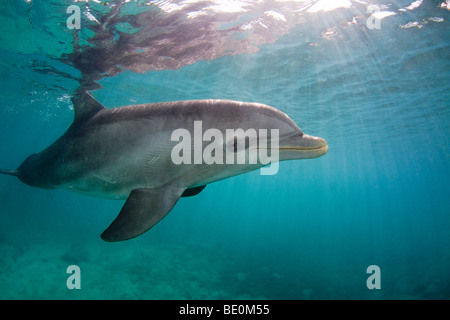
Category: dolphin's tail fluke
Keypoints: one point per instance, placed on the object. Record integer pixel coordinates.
(10, 172)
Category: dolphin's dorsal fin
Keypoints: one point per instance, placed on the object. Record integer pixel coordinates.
(85, 106)
(143, 209)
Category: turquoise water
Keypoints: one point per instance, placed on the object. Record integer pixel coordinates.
(380, 97)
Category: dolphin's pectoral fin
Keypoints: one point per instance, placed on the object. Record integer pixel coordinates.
(143, 209)
(193, 191)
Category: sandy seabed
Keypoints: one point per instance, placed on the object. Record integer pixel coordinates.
(154, 272)
(187, 271)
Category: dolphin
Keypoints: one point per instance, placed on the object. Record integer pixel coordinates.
(127, 153)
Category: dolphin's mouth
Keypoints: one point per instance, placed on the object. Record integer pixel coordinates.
(303, 147)
(324, 148)
(311, 151)
(305, 143)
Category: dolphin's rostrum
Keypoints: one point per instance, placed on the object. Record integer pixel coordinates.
(125, 153)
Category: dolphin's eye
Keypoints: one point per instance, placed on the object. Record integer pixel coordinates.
(233, 145)
(236, 144)
(240, 143)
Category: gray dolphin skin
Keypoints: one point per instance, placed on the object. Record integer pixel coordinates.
(126, 153)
